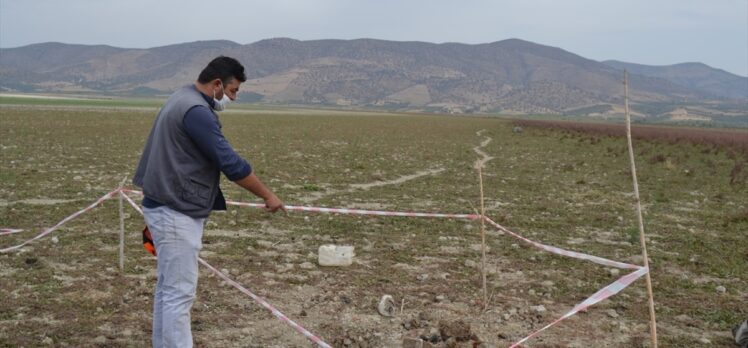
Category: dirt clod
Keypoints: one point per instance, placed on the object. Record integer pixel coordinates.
(458, 329)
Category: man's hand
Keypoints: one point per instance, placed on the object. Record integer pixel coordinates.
(252, 183)
(274, 204)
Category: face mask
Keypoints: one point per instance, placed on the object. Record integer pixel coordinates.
(220, 104)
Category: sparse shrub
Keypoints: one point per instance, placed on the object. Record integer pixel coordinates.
(737, 217)
(503, 217)
(737, 174)
(718, 139)
(632, 234)
(311, 187)
(657, 159)
(660, 197)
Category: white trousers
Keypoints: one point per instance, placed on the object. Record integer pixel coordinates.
(178, 240)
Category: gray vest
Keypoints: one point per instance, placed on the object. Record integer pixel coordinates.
(172, 170)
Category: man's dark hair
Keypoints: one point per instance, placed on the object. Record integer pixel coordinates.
(224, 68)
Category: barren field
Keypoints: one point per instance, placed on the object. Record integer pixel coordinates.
(560, 188)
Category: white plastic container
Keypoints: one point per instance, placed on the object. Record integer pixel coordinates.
(336, 255)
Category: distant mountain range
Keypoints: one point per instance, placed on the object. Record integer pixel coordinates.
(509, 76)
(697, 76)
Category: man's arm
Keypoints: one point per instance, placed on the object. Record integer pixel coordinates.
(202, 127)
(253, 184)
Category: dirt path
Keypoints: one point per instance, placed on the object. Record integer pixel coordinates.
(38, 201)
(355, 187)
(399, 180)
(484, 157)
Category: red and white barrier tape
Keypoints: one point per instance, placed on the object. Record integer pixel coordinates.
(53, 228)
(602, 294)
(551, 249)
(564, 252)
(132, 203)
(351, 211)
(282, 317)
(4, 231)
(361, 211)
(269, 307)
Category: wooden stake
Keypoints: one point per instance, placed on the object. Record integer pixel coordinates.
(121, 227)
(642, 240)
(236, 209)
(483, 239)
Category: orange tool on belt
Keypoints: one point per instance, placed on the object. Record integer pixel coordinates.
(148, 241)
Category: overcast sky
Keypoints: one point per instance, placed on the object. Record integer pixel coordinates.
(655, 32)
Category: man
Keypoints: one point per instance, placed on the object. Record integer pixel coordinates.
(740, 333)
(179, 172)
